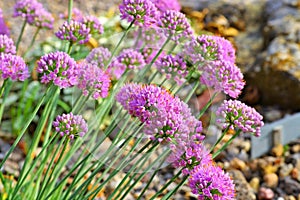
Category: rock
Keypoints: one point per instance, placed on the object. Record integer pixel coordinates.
(271, 180)
(295, 148)
(273, 115)
(265, 194)
(290, 197)
(295, 174)
(238, 164)
(290, 186)
(254, 183)
(278, 150)
(243, 189)
(285, 170)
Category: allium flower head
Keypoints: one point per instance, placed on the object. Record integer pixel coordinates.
(211, 182)
(142, 12)
(188, 152)
(27, 9)
(163, 115)
(34, 13)
(70, 125)
(93, 24)
(75, 32)
(175, 25)
(173, 67)
(59, 68)
(43, 19)
(236, 114)
(99, 56)
(223, 76)
(127, 59)
(7, 45)
(209, 48)
(3, 28)
(93, 80)
(14, 67)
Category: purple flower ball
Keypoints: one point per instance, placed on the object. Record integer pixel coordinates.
(175, 25)
(43, 19)
(93, 24)
(236, 114)
(164, 5)
(93, 80)
(14, 67)
(75, 32)
(209, 48)
(99, 56)
(70, 125)
(223, 76)
(142, 12)
(59, 68)
(173, 67)
(164, 116)
(127, 59)
(7, 45)
(211, 182)
(34, 13)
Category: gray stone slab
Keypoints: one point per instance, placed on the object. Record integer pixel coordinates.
(282, 131)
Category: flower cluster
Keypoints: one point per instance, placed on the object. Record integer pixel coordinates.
(34, 13)
(211, 182)
(209, 48)
(175, 25)
(163, 115)
(7, 45)
(164, 5)
(141, 12)
(93, 80)
(75, 32)
(93, 24)
(173, 66)
(14, 67)
(3, 28)
(223, 76)
(127, 59)
(188, 151)
(236, 114)
(58, 67)
(70, 125)
(99, 56)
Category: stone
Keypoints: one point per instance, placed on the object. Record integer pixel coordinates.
(238, 164)
(254, 183)
(265, 194)
(285, 170)
(278, 150)
(295, 148)
(271, 180)
(290, 186)
(295, 174)
(243, 189)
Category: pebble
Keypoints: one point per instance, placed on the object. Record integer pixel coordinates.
(254, 183)
(295, 174)
(278, 150)
(271, 180)
(265, 194)
(285, 170)
(238, 164)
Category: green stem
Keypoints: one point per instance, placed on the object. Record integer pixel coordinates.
(25, 127)
(203, 110)
(226, 144)
(119, 43)
(220, 139)
(70, 6)
(21, 34)
(32, 41)
(189, 76)
(192, 92)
